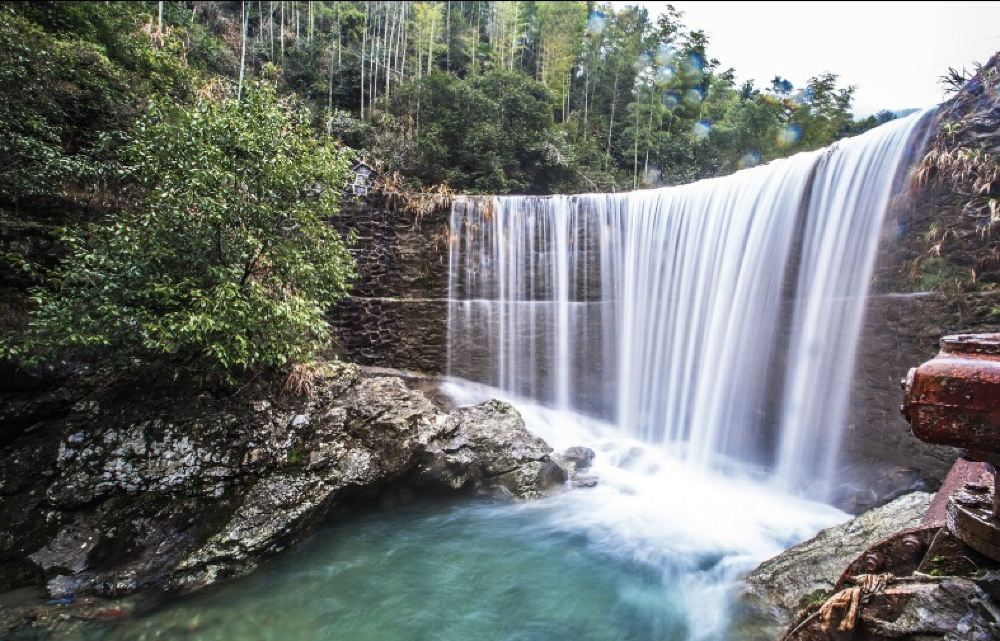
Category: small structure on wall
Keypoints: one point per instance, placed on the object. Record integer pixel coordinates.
(361, 176)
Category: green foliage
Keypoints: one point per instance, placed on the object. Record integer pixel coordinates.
(488, 133)
(630, 100)
(225, 262)
(72, 75)
(824, 110)
(560, 36)
(213, 248)
(58, 97)
(296, 456)
(937, 273)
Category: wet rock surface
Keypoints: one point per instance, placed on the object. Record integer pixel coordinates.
(806, 573)
(488, 445)
(126, 488)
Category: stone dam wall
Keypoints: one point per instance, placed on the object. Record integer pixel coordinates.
(397, 315)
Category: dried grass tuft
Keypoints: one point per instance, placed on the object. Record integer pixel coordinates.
(301, 380)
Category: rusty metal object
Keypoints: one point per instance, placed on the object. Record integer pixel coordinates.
(947, 556)
(954, 399)
(880, 608)
(962, 474)
(898, 555)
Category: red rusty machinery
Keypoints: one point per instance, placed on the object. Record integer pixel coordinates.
(954, 399)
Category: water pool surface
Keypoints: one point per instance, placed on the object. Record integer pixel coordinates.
(652, 553)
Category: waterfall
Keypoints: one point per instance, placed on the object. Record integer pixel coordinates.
(719, 319)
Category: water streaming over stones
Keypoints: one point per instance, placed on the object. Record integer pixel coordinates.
(719, 318)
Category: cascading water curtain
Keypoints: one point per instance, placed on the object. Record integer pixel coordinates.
(719, 318)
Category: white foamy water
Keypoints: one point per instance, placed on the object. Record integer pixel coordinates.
(701, 529)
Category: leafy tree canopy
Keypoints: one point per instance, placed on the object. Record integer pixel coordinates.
(224, 260)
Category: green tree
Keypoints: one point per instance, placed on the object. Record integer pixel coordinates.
(71, 76)
(825, 110)
(225, 262)
(487, 133)
(560, 28)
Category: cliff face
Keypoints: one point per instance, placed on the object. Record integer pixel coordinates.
(942, 235)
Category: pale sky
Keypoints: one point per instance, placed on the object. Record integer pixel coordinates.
(894, 52)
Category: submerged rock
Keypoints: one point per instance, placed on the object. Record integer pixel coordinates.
(577, 458)
(159, 491)
(806, 573)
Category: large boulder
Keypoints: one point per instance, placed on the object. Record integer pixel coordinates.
(488, 446)
(130, 488)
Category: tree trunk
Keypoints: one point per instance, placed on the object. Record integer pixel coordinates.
(401, 43)
(611, 123)
(387, 56)
(377, 42)
(243, 51)
(430, 43)
(372, 57)
(649, 133)
(364, 41)
(635, 150)
(513, 38)
(586, 100)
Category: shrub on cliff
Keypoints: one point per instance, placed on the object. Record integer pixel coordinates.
(224, 259)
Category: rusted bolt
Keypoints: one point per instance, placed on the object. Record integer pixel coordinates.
(913, 546)
(873, 562)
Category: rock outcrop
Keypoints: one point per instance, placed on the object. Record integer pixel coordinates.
(115, 490)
